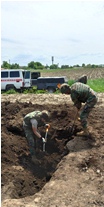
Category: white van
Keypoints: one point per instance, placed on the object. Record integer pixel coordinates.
(18, 79)
(15, 79)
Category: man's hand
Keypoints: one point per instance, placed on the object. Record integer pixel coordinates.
(43, 139)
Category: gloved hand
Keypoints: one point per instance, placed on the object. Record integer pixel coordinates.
(43, 139)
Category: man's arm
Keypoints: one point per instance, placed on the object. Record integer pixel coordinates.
(34, 127)
(74, 97)
(36, 132)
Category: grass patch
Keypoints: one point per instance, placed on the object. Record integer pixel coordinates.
(70, 82)
(11, 91)
(33, 90)
(97, 84)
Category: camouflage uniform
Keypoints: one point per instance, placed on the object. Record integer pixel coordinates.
(81, 93)
(82, 79)
(32, 140)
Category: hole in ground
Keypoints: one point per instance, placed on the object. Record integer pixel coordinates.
(46, 166)
(17, 168)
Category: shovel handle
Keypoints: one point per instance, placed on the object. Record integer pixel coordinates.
(74, 122)
(43, 147)
(45, 140)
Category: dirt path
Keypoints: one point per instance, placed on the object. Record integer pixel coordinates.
(74, 180)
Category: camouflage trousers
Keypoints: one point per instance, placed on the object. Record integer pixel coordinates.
(33, 142)
(91, 101)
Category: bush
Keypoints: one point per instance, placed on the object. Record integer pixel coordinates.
(11, 91)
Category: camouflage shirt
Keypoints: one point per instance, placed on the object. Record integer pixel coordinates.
(80, 93)
(33, 115)
(82, 79)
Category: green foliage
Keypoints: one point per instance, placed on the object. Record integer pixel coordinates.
(31, 64)
(30, 90)
(11, 91)
(14, 66)
(33, 90)
(5, 64)
(38, 65)
(40, 91)
(64, 66)
(76, 66)
(10, 66)
(57, 91)
(97, 84)
(70, 82)
(54, 66)
(83, 65)
(35, 65)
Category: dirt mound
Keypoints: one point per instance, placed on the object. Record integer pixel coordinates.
(21, 178)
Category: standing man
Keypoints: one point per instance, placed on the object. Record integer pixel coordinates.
(31, 123)
(81, 93)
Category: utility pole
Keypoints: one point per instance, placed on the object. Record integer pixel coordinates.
(52, 60)
(9, 63)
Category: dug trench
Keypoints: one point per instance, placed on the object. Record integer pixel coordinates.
(20, 177)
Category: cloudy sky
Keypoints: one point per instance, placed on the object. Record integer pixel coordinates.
(71, 31)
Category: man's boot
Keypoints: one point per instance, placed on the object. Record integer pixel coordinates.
(84, 132)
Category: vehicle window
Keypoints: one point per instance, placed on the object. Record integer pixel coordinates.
(23, 73)
(14, 74)
(27, 75)
(4, 74)
(35, 75)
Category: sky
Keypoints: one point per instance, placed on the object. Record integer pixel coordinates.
(70, 31)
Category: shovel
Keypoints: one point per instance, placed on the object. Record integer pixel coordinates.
(72, 128)
(46, 134)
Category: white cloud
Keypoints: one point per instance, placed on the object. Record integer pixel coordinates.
(37, 30)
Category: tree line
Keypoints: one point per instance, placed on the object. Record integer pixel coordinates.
(39, 66)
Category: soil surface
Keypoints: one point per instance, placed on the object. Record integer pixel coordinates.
(70, 173)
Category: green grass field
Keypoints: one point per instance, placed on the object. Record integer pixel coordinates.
(97, 84)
